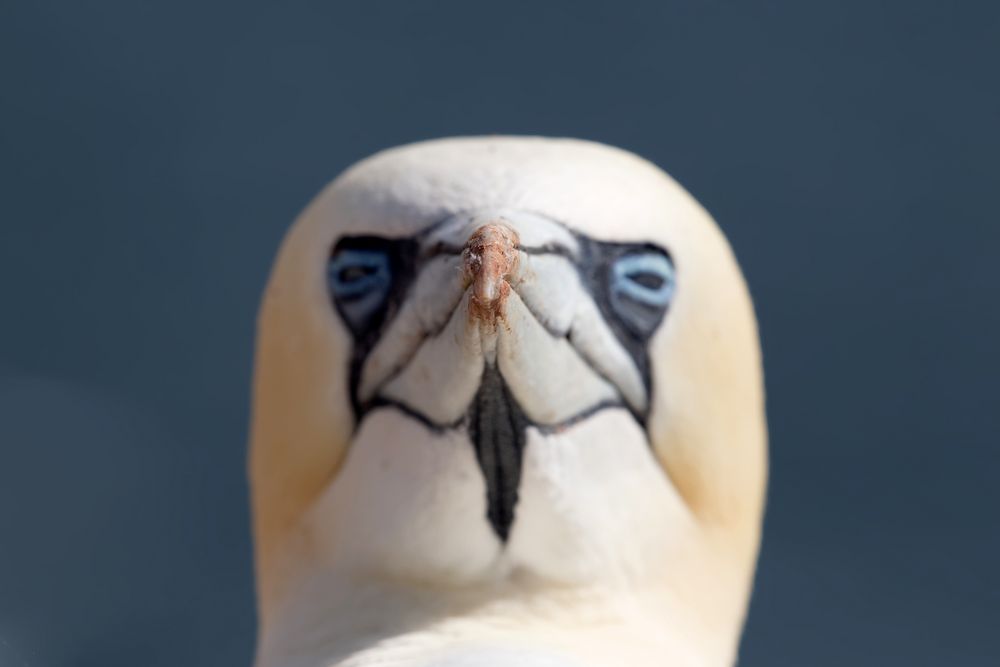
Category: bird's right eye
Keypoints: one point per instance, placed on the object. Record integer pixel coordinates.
(360, 280)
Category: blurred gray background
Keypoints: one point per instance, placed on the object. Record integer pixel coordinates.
(153, 153)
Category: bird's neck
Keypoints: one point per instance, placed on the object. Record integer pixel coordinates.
(331, 619)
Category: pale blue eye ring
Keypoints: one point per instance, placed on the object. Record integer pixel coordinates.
(646, 279)
(355, 273)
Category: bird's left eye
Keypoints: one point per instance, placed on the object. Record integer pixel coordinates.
(360, 280)
(641, 288)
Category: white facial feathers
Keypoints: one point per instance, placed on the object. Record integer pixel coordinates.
(552, 345)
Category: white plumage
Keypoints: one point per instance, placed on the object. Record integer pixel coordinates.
(567, 472)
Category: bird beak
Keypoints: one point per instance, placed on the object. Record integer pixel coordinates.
(490, 258)
(499, 335)
(497, 424)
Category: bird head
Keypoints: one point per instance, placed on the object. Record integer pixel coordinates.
(500, 364)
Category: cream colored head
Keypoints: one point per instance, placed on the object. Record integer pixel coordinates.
(644, 480)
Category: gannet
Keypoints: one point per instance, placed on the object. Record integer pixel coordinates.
(508, 410)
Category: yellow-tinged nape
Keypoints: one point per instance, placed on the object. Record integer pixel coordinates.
(705, 425)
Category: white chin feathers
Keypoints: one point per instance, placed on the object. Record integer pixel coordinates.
(410, 502)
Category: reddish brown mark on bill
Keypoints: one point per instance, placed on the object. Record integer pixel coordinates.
(490, 257)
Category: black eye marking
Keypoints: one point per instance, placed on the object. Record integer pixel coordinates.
(633, 284)
(368, 277)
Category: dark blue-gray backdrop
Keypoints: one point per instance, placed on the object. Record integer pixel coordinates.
(153, 153)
